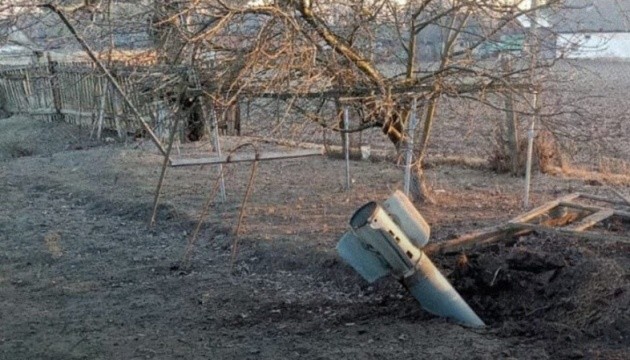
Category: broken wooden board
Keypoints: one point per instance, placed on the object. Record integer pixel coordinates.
(486, 235)
(543, 209)
(591, 220)
(588, 235)
(522, 224)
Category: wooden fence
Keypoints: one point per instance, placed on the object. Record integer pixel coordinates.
(76, 93)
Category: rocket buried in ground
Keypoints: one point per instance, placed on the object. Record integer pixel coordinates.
(377, 246)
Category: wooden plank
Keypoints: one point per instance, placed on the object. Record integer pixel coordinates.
(588, 235)
(591, 220)
(483, 236)
(620, 213)
(543, 208)
(225, 159)
(590, 208)
(520, 226)
(602, 199)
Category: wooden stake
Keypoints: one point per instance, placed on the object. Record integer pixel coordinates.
(158, 190)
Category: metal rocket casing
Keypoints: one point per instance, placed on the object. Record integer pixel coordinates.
(367, 262)
(437, 295)
(380, 247)
(408, 218)
(372, 224)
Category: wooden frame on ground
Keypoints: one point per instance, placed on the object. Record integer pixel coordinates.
(566, 216)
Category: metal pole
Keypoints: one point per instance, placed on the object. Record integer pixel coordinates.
(532, 124)
(346, 145)
(530, 150)
(409, 149)
(217, 147)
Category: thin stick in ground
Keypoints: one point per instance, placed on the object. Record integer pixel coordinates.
(204, 213)
(241, 215)
(167, 158)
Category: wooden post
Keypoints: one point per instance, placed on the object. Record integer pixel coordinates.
(101, 108)
(56, 91)
(26, 85)
(114, 109)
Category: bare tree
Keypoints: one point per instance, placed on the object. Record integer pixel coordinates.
(375, 55)
(381, 53)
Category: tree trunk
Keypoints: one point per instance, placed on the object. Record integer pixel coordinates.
(511, 136)
(419, 190)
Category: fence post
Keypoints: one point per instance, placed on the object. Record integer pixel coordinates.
(114, 108)
(56, 91)
(101, 107)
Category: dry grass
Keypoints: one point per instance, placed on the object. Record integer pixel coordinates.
(461, 161)
(589, 176)
(546, 154)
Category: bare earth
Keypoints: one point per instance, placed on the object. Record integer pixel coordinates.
(83, 277)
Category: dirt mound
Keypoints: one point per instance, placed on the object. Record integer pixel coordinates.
(550, 288)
